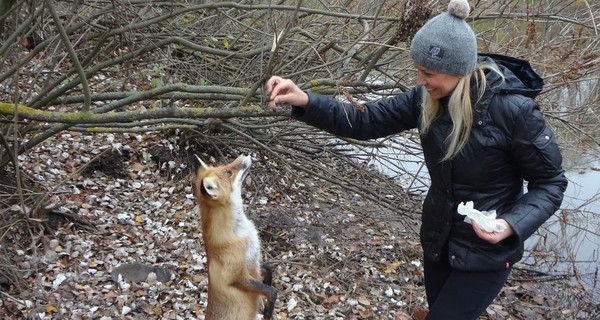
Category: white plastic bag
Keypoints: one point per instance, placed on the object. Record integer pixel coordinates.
(485, 219)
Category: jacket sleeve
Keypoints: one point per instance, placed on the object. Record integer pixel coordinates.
(539, 159)
(379, 119)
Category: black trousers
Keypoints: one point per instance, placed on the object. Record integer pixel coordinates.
(459, 295)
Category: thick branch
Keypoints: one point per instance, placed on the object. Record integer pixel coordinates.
(212, 93)
(25, 112)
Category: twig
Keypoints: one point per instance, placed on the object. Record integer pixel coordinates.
(574, 127)
(273, 53)
(73, 217)
(21, 302)
(9, 152)
(77, 65)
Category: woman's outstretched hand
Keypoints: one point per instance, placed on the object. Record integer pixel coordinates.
(493, 237)
(286, 91)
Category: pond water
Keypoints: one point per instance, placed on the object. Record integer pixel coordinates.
(568, 245)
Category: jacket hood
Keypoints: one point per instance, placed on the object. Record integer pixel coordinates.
(519, 76)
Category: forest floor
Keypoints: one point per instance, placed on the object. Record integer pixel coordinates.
(334, 254)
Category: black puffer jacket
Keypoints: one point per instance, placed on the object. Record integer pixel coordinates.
(509, 143)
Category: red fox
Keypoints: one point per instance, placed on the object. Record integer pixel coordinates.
(232, 244)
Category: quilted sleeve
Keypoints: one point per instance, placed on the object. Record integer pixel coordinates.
(536, 152)
(379, 119)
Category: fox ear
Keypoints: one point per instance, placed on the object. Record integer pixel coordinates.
(209, 187)
(198, 163)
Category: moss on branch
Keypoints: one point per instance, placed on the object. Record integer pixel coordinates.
(25, 112)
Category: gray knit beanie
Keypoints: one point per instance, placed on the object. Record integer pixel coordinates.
(446, 43)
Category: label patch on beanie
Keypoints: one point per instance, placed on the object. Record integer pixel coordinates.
(436, 53)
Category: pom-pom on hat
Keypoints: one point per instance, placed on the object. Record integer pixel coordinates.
(446, 43)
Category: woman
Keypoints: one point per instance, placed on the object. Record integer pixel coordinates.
(482, 135)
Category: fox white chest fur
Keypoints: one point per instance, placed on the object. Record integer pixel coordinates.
(245, 228)
(232, 244)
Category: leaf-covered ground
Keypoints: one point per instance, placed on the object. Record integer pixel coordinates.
(334, 254)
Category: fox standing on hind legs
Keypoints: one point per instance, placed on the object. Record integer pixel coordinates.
(235, 285)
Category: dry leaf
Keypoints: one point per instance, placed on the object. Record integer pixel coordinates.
(539, 299)
(351, 99)
(401, 315)
(51, 309)
(365, 314)
(419, 313)
(567, 311)
(137, 167)
(392, 267)
(157, 311)
(198, 311)
(364, 301)
(273, 106)
(332, 299)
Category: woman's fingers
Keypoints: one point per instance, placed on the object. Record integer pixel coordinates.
(492, 237)
(274, 86)
(286, 91)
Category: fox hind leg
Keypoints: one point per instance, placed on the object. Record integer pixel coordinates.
(270, 293)
(263, 289)
(267, 273)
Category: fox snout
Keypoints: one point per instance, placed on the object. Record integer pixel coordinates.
(245, 166)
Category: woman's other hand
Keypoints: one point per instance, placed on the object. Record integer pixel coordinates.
(493, 237)
(286, 91)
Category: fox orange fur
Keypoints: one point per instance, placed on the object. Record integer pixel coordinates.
(232, 245)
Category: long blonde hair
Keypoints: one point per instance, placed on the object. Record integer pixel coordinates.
(460, 108)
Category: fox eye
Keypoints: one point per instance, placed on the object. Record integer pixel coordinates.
(229, 173)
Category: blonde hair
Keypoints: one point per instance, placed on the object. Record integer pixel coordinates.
(460, 108)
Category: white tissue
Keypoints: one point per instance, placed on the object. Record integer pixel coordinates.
(485, 219)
